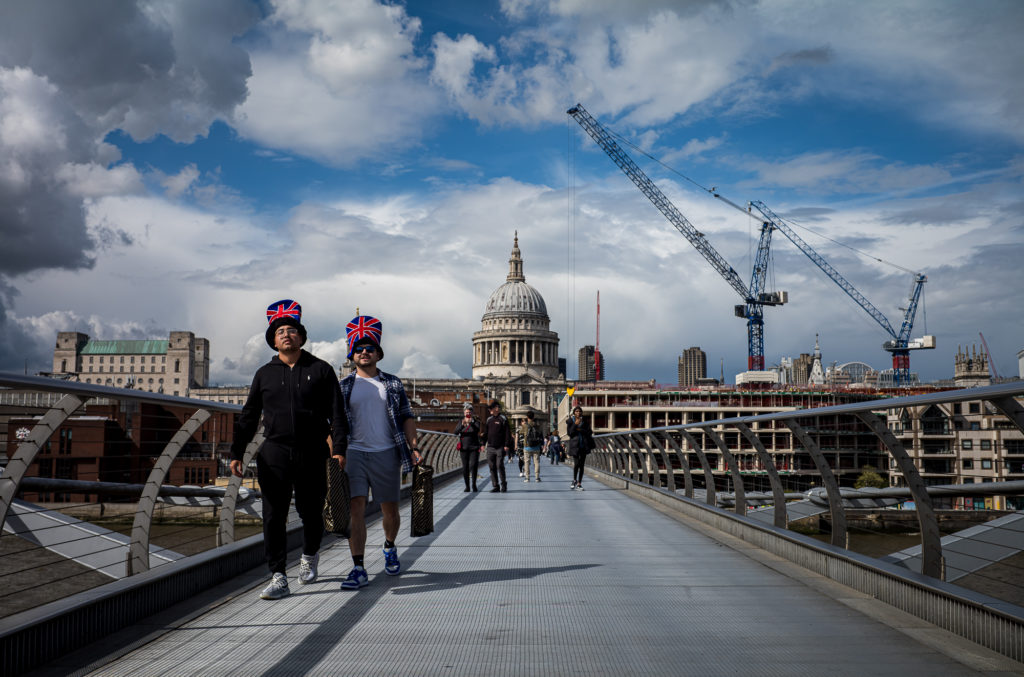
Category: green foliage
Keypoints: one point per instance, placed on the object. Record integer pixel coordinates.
(869, 477)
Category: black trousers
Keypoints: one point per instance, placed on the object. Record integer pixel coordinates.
(496, 461)
(280, 471)
(579, 460)
(470, 462)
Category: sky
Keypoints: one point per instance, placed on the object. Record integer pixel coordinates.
(180, 166)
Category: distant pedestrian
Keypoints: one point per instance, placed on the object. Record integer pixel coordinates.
(581, 443)
(382, 445)
(497, 436)
(517, 444)
(468, 430)
(554, 447)
(532, 440)
(298, 399)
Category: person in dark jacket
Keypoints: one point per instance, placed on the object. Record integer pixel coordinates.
(298, 398)
(581, 442)
(497, 438)
(468, 430)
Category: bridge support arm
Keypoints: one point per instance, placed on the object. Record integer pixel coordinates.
(226, 522)
(19, 463)
(828, 480)
(709, 477)
(1011, 409)
(740, 507)
(138, 550)
(684, 462)
(931, 539)
(642, 456)
(778, 493)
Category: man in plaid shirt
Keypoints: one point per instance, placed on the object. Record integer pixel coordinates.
(382, 444)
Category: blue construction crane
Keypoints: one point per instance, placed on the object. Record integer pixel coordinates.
(753, 295)
(900, 344)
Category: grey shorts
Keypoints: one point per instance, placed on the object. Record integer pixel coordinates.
(381, 470)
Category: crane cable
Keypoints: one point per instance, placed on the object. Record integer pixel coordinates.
(570, 249)
(715, 193)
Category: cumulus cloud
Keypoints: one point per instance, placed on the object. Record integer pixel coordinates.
(145, 68)
(422, 365)
(354, 68)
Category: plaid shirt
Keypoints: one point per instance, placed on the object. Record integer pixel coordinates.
(399, 410)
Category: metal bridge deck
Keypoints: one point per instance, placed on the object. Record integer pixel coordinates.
(546, 581)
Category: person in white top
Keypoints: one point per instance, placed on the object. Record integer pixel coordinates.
(381, 445)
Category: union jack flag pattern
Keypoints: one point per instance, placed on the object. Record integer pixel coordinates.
(284, 308)
(360, 327)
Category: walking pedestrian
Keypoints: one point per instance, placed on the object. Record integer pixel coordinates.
(532, 438)
(581, 442)
(468, 430)
(497, 436)
(518, 449)
(297, 397)
(554, 447)
(382, 445)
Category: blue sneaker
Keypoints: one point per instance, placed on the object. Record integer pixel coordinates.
(356, 579)
(391, 564)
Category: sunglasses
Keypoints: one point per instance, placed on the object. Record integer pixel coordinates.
(364, 349)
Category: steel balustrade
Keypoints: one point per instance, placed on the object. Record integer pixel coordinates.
(437, 448)
(778, 493)
(615, 453)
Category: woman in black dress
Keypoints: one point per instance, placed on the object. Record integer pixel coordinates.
(581, 442)
(468, 430)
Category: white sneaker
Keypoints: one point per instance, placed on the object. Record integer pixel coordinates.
(277, 589)
(307, 568)
(520, 474)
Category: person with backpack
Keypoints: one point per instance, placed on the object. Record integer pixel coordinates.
(532, 438)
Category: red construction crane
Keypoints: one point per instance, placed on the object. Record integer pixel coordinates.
(597, 342)
(988, 356)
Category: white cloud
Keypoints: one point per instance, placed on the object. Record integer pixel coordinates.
(175, 185)
(422, 365)
(353, 68)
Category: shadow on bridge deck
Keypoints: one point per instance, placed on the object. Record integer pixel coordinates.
(547, 581)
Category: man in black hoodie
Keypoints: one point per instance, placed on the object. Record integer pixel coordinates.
(497, 438)
(298, 398)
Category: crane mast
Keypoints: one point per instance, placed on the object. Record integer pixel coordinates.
(900, 345)
(753, 295)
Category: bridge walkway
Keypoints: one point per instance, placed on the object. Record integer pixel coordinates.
(547, 581)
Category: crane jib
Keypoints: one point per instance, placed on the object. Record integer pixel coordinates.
(658, 198)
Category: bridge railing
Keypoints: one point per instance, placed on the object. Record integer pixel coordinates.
(684, 457)
(131, 440)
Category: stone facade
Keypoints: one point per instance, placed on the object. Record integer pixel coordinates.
(174, 366)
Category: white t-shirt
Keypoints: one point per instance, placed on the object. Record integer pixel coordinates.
(371, 429)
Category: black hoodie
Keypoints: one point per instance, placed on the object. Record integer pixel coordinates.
(300, 406)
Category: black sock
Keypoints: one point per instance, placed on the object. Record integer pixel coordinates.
(388, 544)
(357, 560)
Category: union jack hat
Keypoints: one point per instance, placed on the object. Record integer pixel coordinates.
(281, 312)
(362, 328)
(284, 308)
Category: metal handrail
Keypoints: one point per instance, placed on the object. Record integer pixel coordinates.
(622, 448)
(437, 448)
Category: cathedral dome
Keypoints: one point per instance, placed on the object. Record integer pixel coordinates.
(517, 298)
(515, 338)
